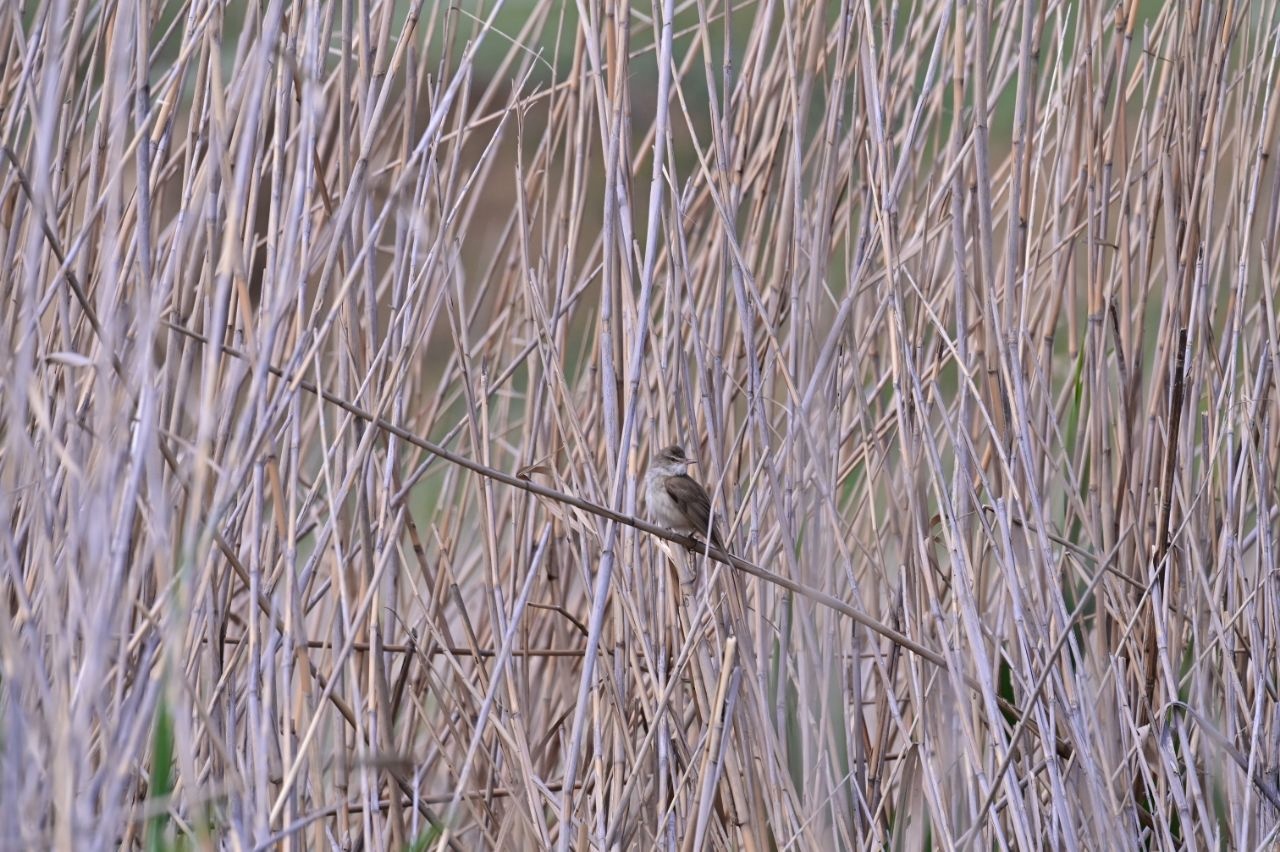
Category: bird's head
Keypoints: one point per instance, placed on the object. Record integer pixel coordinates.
(671, 461)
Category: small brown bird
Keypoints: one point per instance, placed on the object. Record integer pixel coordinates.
(675, 500)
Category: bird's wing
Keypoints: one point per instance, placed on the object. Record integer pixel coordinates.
(693, 500)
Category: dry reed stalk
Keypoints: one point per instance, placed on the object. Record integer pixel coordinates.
(337, 338)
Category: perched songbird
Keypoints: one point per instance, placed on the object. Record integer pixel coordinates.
(675, 500)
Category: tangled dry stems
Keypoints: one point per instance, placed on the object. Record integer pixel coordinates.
(337, 338)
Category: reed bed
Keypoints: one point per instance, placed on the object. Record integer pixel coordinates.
(337, 337)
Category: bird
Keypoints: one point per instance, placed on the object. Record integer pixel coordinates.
(675, 500)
